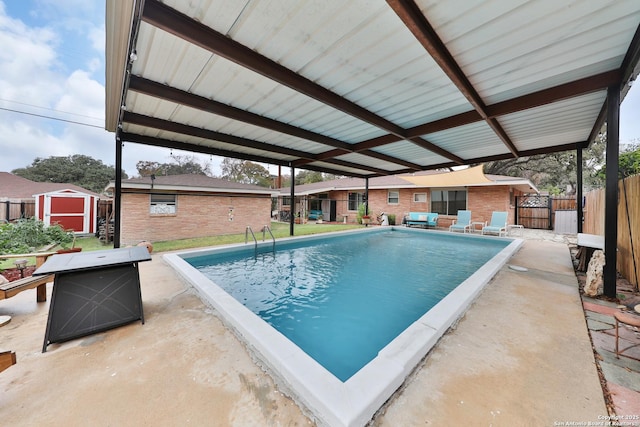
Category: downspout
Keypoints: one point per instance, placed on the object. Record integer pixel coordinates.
(611, 191)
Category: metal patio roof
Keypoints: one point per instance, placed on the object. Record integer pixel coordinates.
(366, 87)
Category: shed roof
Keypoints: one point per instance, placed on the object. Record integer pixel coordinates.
(367, 87)
(14, 187)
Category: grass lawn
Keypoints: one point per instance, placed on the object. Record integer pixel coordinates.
(279, 230)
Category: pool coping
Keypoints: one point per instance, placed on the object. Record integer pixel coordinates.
(332, 402)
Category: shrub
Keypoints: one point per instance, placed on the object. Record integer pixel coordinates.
(361, 212)
(27, 235)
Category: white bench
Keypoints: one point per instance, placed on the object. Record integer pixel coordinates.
(591, 241)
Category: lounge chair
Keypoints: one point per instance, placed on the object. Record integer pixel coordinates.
(463, 223)
(498, 224)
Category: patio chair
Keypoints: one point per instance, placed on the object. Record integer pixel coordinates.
(631, 319)
(463, 223)
(498, 224)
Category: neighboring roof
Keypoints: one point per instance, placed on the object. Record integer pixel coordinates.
(191, 182)
(469, 177)
(367, 87)
(17, 187)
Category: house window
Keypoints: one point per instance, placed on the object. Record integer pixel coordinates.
(355, 200)
(448, 202)
(393, 197)
(286, 200)
(420, 197)
(162, 204)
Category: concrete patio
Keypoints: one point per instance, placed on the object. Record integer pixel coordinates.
(520, 356)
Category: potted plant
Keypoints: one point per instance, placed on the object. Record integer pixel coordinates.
(319, 219)
(364, 214)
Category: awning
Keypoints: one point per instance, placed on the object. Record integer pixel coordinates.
(366, 87)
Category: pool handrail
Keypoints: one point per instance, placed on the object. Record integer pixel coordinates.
(246, 236)
(264, 230)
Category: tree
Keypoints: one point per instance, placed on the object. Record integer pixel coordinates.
(628, 161)
(308, 177)
(180, 166)
(245, 172)
(555, 172)
(77, 169)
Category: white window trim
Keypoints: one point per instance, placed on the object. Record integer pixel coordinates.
(163, 208)
(359, 200)
(397, 197)
(447, 189)
(420, 201)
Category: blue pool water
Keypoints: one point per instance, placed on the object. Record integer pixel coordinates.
(341, 299)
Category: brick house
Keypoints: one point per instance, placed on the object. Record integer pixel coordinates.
(187, 206)
(428, 191)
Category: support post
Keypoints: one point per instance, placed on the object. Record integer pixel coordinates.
(611, 191)
(117, 201)
(366, 196)
(579, 207)
(293, 200)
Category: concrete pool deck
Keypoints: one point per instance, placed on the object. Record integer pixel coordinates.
(521, 355)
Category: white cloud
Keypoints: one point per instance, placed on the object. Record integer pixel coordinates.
(28, 62)
(97, 37)
(32, 81)
(84, 95)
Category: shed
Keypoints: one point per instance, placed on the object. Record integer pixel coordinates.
(72, 209)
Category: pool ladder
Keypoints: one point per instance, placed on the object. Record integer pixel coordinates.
(264, 234)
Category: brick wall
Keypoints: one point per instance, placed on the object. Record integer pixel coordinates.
(196, 216)
(482, 201)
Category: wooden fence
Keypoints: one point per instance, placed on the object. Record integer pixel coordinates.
(628, 224)
(12, 210)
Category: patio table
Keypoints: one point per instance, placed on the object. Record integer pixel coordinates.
(93, 291)
(476, 226)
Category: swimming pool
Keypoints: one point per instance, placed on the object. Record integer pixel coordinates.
(344, 298)
(351, 395)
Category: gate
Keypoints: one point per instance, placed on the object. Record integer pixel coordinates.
(534, 212)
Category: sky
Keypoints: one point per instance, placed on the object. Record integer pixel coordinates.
(52, 88)
(52, 64)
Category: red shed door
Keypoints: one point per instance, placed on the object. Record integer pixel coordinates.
(71, 212)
